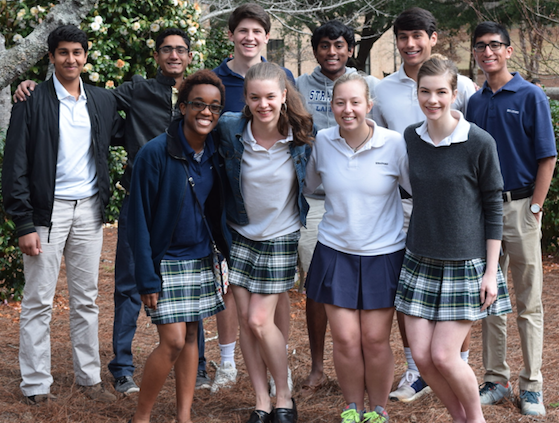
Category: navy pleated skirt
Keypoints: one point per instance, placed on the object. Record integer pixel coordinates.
(353, 281)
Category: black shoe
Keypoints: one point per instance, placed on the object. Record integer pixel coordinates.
(202, 380)
(259, 416)
(286, 415)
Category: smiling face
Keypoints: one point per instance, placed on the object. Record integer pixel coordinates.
(435, 96)
(264, 98)
(202, 122)
(249, 38)
(350, 106)
(332, 56)
(173, 64)
(492, 62)
(415, 47)
(68, 59)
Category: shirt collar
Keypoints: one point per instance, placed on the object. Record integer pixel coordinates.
(376, 140)
(513, 85)
(460, 133)
(62, 93)
(250, 138)
(209, 148)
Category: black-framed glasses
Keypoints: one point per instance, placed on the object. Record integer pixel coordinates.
(493, 46)
(198, 106)
(181, 51)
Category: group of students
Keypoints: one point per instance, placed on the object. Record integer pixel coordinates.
(238, 179)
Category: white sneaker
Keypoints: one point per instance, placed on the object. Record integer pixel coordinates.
(273, 383)
(225, 377)
(411, 387)
(531, 403)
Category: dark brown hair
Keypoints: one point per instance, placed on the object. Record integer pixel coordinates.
(250, 11)
(296, 116)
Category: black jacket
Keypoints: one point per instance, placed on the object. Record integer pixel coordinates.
(149, 111)
(31, 153)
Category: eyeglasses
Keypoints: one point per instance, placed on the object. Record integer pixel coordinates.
(181, 51)
(198, 106)
(493, 46)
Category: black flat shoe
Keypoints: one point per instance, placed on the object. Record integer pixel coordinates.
(259, 416)
(286, 415)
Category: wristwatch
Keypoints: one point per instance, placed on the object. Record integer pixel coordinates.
(535, 208)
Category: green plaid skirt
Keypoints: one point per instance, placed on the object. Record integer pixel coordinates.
(188, 292)
(442, 290)
(264, 267)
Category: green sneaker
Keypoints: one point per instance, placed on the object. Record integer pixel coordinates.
(350, 414)
(379, 415)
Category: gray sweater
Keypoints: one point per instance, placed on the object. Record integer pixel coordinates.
(457, 196)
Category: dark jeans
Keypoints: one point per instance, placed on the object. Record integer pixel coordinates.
(128, 305)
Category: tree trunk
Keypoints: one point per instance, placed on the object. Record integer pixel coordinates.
(5, 102)
(27, 52)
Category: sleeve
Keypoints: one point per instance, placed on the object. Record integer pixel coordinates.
(490, 182)
(466, 89)
(404, 178)
(377, 115)
(143, 201)
(312, 178)
(15, 170)
(542, 127)
(124, 94)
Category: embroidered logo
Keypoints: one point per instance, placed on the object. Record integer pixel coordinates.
(382, 163)
(516, 112)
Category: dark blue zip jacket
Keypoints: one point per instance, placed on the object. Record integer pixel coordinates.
(158, 191)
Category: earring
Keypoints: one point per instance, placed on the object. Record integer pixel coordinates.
(283, 109)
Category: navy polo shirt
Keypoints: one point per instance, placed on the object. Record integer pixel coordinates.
(234, 83)
(519, 118)
(191, 239)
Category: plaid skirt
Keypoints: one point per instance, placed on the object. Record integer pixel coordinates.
(188, 292)
(264, 267)
(442, 290)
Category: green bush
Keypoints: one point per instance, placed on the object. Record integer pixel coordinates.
(550, 222)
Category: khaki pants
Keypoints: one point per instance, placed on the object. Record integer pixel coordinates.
(307, 242)
(76, 233)
(522, 254)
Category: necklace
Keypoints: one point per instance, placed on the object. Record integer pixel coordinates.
(362, 142)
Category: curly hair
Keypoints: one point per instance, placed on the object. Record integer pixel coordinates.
(297, 117)
(203, 76)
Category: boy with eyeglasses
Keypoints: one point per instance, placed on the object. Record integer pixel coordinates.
(517, 114)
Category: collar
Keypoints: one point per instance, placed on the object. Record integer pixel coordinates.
(376, 140)
(165, 80)
(460, 133)
(208, 145)
(62, 93)
(402, 76)
(251, 140)
(513, 85)
(224, 70)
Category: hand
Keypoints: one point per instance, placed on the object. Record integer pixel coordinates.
(488, 291)
(150, 300)
(30, 244)
(23, 90)
(538, 216)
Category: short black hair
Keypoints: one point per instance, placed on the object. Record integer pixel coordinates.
(415, 19)
(69, 33)
(171, 31)
(489, 27)
(333, 30)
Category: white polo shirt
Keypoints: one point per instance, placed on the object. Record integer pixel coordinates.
(395, 105)
(76, 174)
(364, 213)
(269, 187)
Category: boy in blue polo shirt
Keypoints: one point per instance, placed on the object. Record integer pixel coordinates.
(516, 113)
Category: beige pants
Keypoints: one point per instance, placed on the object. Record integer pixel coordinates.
(76, 233)
(522, 254)
(307, 242)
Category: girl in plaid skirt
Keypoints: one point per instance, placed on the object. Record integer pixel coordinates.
(450, 276)
(171, 242)
(266, 148)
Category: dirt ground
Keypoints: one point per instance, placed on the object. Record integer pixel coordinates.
(234, 406)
